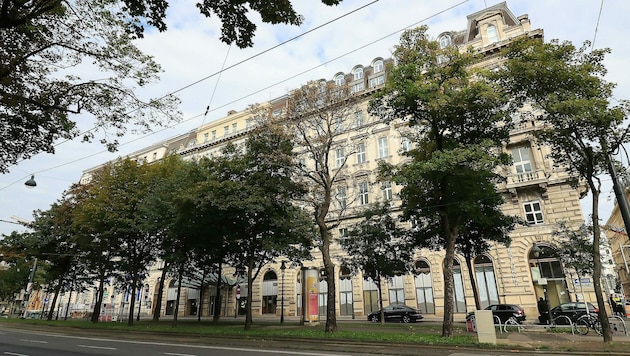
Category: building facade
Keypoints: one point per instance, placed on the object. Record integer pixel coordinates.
(534, 190)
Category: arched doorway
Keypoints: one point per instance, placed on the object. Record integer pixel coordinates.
(424, 287)
(486, 281)
(548, 275)
(270, 292)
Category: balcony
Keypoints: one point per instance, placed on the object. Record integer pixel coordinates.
(517, 180)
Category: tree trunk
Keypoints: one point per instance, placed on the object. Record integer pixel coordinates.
(380, 301)
(180, 275)
(250, 280)
(98, 300)
(132, 299)
(329, 267)
(597, 264)
(157, 310)
(54, 301)
(473, 281)
(216, 311)
(200, 304)
(449, 284)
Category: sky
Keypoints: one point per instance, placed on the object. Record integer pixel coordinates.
(354, 32)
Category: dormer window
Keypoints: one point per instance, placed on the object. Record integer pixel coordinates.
(378, 66)
(492, 34)
(358, 73)
(445, 41)
(340, 80)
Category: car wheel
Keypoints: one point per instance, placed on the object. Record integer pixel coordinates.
(374, 319)
(406, 319)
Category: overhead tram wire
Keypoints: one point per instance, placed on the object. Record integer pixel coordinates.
(253, 93)
(599, 16)
(215, 86)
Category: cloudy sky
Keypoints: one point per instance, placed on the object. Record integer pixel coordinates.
(355, 32)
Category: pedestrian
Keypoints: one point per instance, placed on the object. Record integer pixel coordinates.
(543, 310)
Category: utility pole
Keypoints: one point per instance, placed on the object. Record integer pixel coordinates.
(29, 288)
(620, 194)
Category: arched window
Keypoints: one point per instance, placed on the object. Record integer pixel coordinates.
(424, 287)
(270, 292)
(340, 80)
(378, 66)
(445, 41)
(345, 292)
(486, 281)
(357, 73)
(493, 36)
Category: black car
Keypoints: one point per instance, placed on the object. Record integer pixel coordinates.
(504, 312)
(572, 310)
(399, 313)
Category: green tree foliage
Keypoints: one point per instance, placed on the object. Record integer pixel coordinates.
(459, 126)
(575, 247)
(378, 246)
(70, 58)
(565, 87)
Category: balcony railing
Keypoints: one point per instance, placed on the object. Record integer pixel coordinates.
(526, 178)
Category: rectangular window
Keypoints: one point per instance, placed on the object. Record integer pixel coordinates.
(226, 130)
(361, 153)
(249, 123)
(383, 150)
(343, 232)
(358, 119)
(234, 128)
(154, 156)
(363, 193)
(357, 87)
(387, 191)
(376, 81)
(277, 112)
(342, 200)
(214, 134)
(533, 213)
(522, 164)
(405, 144)
(205, 137)
(340, 157)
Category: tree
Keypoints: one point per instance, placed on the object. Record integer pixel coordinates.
(320, 116)
(379, 247)
(236, 26)
(49, 60)
(459, 125)
(567, 92)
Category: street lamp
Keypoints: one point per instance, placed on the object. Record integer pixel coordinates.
(30, 184)
(282, 268)
(29, 288)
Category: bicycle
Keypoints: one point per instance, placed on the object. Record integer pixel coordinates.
(587, 322)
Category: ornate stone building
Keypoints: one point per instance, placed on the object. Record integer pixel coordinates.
(534, 190)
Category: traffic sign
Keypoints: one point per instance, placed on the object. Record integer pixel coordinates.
(238, 291)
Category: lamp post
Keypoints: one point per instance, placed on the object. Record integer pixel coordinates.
(536, 250)
(30, 184)
(282, 268)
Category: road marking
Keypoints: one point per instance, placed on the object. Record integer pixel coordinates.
(14, 354)
(98, 347)
(174, 354)
(35, 341)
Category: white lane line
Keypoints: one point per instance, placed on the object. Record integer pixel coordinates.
(98, 347)
(174, 354)
(14, 354)
(35, 341)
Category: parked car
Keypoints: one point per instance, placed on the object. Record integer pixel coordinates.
(399, 313)
(572, 310)
(504, 312)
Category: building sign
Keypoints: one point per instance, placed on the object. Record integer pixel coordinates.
(581, 281)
